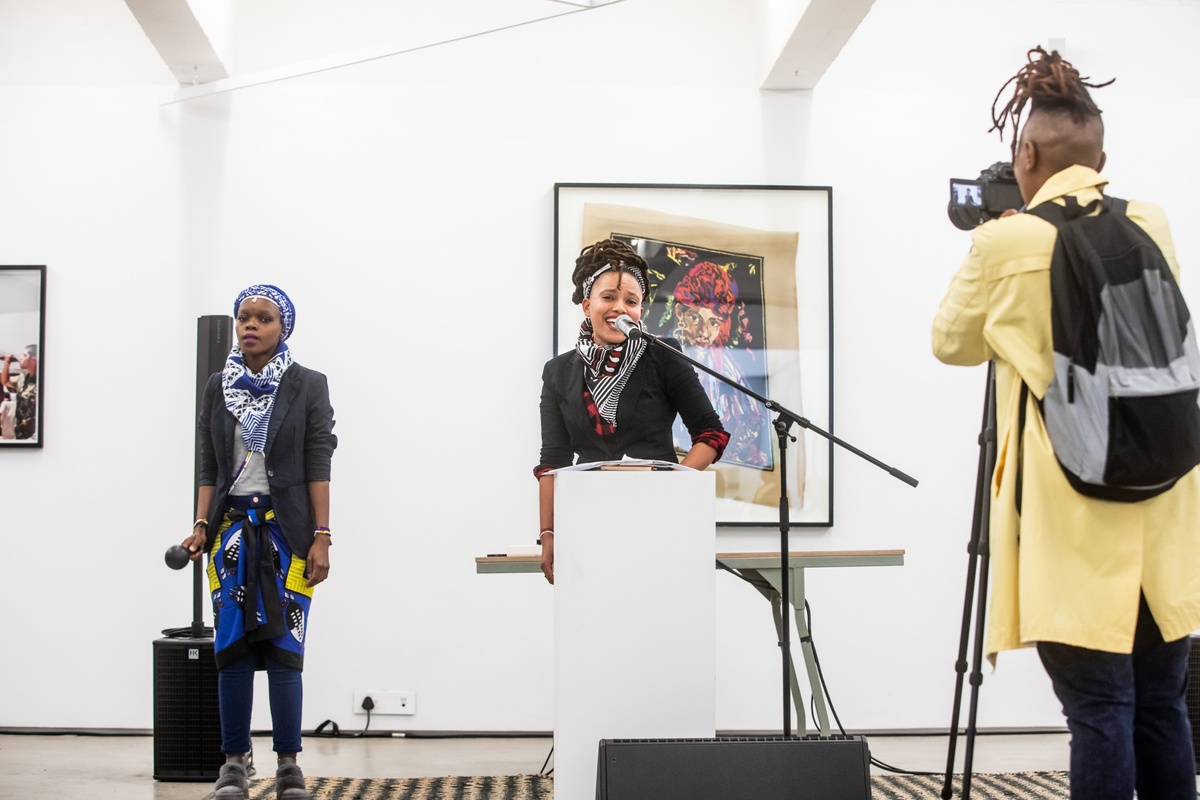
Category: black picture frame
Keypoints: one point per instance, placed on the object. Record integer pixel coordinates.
(22, 355)
(773, 246)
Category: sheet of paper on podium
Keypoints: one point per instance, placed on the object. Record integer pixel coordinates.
(626, 463)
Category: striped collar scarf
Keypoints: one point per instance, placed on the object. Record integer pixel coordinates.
(606, 369)
(251, 397)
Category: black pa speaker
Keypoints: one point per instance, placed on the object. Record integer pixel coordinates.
(1193, 695)
(187, 725)
(735, 768)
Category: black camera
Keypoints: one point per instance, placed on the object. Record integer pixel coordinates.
(973, 203)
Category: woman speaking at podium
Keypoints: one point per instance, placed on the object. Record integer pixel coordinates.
(612, 397)
(266, 441)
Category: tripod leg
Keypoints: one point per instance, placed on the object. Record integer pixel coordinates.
(976, 548)
(976, 675)
(960, 668)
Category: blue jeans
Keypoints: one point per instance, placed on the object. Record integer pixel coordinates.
(1128, 716)
(235, 696)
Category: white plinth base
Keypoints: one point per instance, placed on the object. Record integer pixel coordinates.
(635, 610)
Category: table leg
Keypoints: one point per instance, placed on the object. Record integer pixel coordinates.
(797, 697)
(814, 679)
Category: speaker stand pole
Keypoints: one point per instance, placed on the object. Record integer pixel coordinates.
(214, 339)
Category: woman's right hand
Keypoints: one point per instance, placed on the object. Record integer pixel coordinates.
(194, 544)
(548, 556)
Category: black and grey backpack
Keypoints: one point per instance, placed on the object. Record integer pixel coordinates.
(1121, 410)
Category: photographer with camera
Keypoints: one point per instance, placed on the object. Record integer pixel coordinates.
(1107, 589)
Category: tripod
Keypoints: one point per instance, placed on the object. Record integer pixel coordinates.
(979, 550)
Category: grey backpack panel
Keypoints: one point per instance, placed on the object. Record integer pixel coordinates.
(1121, 410)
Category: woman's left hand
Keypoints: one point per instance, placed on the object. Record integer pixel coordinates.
(318, 560)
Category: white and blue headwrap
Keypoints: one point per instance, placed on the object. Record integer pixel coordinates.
(251, 396)
(287, 311)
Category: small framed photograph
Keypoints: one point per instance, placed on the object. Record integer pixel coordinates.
(22, 331)
(741, 277)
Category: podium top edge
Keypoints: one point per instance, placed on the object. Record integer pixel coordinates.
(807, 554)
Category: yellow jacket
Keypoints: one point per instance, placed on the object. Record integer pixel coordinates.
(1068, 568)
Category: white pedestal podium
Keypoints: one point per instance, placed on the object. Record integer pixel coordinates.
(635, 611)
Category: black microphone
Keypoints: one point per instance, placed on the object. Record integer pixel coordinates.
(178, 556)
(627, 326)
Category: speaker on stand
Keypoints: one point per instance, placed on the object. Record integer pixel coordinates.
(187, 725)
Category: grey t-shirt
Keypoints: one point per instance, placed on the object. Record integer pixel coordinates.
(253, 477)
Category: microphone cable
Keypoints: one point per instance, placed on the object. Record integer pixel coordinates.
(828, 699)
(761, 584)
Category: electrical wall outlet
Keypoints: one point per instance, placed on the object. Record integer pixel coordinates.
(387, 702)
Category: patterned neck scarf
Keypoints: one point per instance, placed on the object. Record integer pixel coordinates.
(250, 397)
(606, 369)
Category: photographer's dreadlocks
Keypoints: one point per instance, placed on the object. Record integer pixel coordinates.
(1050, 83)
(607, 251)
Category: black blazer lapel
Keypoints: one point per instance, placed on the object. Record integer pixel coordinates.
(573, 393)
(628, 422)
(288, 387)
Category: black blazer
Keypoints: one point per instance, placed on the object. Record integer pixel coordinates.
(300, 444)
(660, 387)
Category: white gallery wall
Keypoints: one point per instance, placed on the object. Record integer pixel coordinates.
(406, 205)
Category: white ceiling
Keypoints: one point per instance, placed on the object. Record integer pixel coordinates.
(275, 33)
(668, 42)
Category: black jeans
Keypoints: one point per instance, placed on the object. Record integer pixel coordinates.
(1128, 716)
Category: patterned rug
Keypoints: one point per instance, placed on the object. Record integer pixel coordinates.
(1008, 786)
(983, 786)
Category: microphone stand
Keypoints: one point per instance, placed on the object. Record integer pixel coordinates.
(784, 420)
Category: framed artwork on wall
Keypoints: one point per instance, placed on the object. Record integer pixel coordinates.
(22, 331)
(741, 277)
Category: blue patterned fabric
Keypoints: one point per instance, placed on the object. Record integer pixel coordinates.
(259, 592)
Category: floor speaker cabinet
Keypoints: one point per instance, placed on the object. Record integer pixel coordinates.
(735, 768)
(1193, 695)
(187, 726)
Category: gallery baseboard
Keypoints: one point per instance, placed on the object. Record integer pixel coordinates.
(475, 734)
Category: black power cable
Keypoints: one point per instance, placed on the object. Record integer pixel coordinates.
(825, 691)
(368, 704)
(334, 731)
(765, 587)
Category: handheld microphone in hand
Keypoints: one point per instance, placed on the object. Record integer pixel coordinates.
(178, 556)
(627, 326)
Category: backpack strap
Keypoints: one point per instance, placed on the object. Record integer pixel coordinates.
(1021, 443)
(1057, 215)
